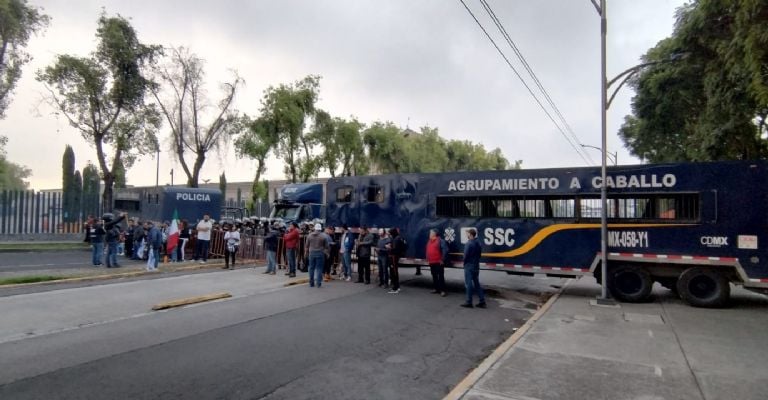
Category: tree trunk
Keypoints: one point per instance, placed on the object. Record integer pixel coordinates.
(195, 178)
(106, 198)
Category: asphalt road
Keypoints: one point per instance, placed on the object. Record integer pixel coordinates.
(343, 341)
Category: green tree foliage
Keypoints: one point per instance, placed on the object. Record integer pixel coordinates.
(348, 142)
(256, 142)
(91, 189)
(18, 21)
(119, 171)
(394, 151)
(12, 175)
(68, 188)
(103, 97)
(287, 109)
(704, 95)
(182, 97)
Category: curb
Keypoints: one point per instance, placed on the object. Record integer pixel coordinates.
(295, 282)
(105, 277)
(190, 300)
(471, 379)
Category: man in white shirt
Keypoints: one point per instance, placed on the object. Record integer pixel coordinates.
(203, 238)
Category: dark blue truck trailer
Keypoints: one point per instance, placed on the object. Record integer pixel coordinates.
(693, 227)
(159, 203)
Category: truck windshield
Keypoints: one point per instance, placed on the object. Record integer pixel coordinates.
(286, 212)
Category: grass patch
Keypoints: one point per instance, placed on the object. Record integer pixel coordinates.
(29, 279)
(42, 246)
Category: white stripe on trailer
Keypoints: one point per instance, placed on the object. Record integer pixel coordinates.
(662, 256)
(713, 258)
(687, 257)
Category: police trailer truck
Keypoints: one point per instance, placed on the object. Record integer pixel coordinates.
(693, 227)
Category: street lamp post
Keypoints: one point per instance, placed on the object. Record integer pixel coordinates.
(601, 9)
(614, 156)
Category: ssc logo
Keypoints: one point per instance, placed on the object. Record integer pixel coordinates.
(449, 235)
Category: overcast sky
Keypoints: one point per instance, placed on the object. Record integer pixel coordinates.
(392, 60)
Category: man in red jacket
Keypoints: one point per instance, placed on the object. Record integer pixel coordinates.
(437, 255)
(291, 241)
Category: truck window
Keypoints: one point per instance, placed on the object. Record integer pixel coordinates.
(344, 194)
(128, 205)
(375, 194)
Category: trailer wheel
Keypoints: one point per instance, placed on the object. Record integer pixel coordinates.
(630, 283)
(704, 287)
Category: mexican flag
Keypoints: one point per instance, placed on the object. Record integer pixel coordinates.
(173, 232)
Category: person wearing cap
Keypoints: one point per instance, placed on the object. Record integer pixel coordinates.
(231, 243)
(345, 249)
(316, 248)
(382, 252)
(291, 241)
(364, 243)
(270, 244)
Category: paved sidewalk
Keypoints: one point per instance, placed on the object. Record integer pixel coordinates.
(660, 350)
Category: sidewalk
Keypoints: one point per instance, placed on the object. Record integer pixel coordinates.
(659, 350)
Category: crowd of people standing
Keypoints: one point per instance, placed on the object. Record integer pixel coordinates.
(323, 250)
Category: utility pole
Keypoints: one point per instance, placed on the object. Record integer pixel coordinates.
(604, 297)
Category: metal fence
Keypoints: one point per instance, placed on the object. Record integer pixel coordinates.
(27, 212)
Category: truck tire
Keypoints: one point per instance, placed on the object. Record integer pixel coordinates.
(704, 287)
(630, 283)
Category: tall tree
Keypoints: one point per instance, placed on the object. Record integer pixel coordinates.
(256, 142)
(103, 97)
(91, 189)
(68, 184)
(702, 95)
(18, 21)
(77, 198)
(386, 148)
(223, 184)
(288, 109)
(349, 142)
(182, 97)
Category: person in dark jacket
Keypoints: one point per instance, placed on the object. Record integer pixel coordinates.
(129, 238)
(184, 235)
(139, 240)
(270, 244)
(364, 244)
(382, 257)
(472, 252)
(397, 251)
(112, 233)
(96, 239)
(154, 242)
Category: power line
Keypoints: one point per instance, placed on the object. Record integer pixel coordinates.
(501, 53)
(532, 74)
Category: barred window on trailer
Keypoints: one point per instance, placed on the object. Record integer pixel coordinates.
(506, 207)
(375, 194)
(675, 207)
(344, 194)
